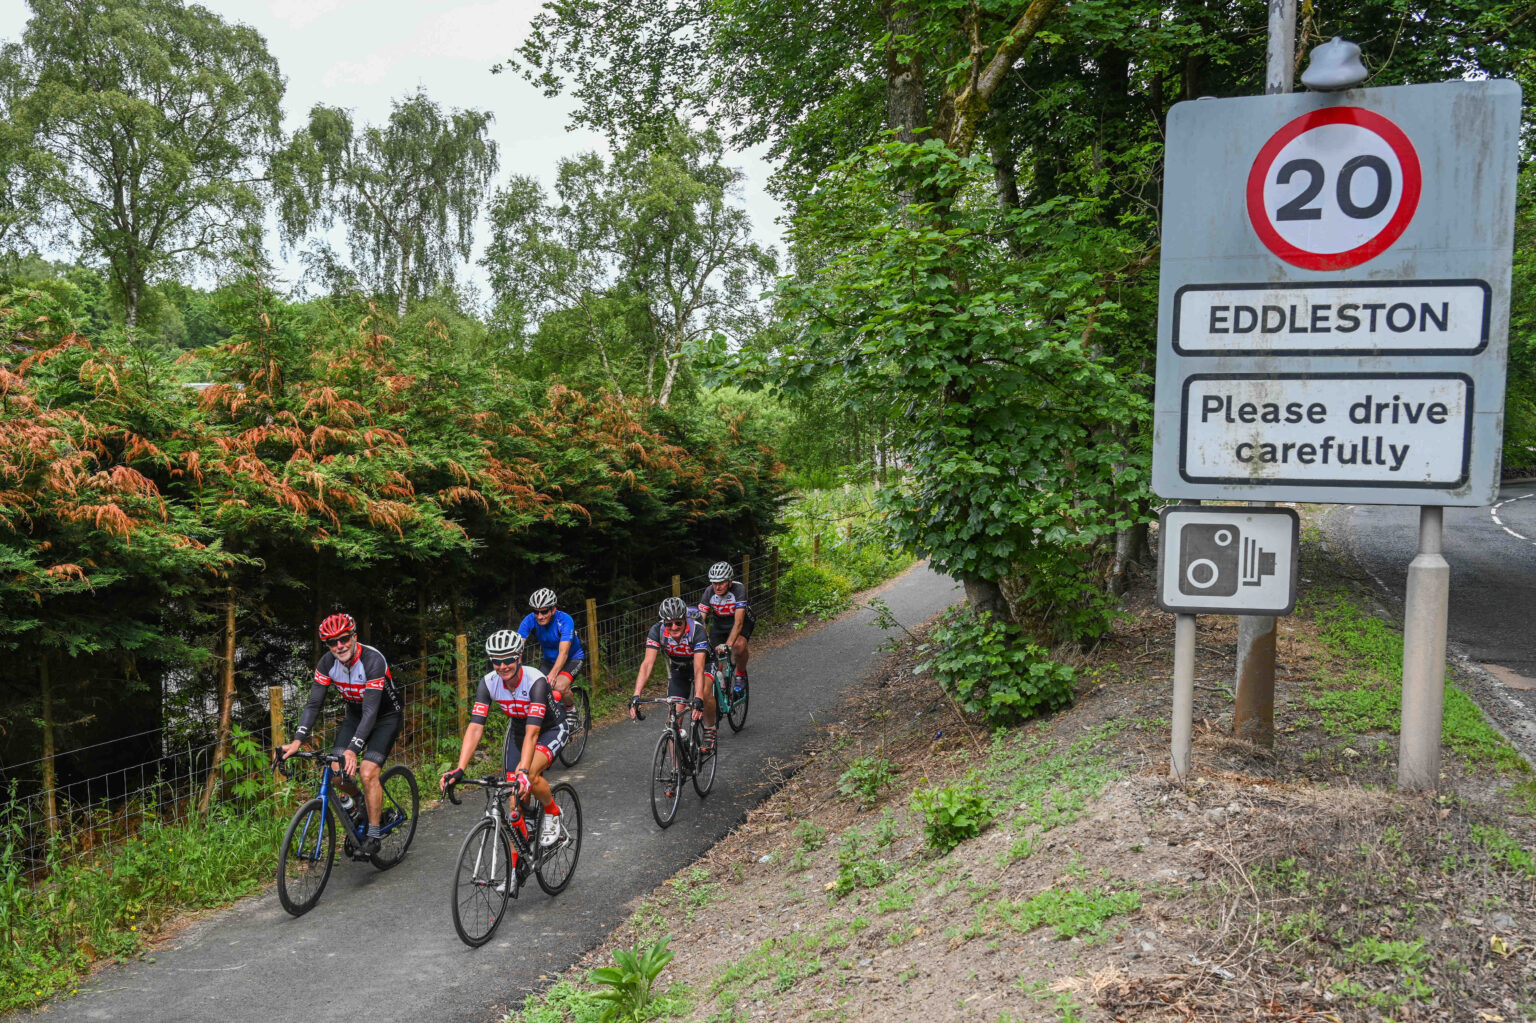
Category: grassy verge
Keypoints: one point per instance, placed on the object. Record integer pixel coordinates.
(836, 547)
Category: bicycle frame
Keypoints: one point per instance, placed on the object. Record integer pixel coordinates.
(356, 824)
(520, 837)
(720, 670)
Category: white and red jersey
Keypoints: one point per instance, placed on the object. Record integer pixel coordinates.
(528, 700)
(367, 670)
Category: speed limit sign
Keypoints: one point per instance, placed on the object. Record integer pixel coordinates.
(1334, 188)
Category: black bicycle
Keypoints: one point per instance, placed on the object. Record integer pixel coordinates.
(309, 844)
(580, 724)
(501, 850)
(680, 754)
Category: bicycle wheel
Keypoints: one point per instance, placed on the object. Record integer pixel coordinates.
(401, 796)
(704, 767)
(738, 712)
(481, 883)
(581, 724)
(558, 862)
(666, 779)
(304, 861)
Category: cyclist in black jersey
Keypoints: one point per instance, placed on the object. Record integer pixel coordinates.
(724, 605)
(375, 710)
(535, 735)
(685, 644)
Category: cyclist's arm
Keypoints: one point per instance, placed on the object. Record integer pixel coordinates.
(477, 716)
(311, 709)
(736, 624)
(560, 658)
(698, 674)
(644, 674)
(526, 626)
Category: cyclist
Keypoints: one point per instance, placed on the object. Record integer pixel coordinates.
(731, 621)
(684, 642)
(375, 710)
(557, 639)
(535, 734)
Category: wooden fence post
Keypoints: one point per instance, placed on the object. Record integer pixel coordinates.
(461, 669)
(275, 714)
(815, 548)
(677, 586)
(594, 655)
(226, 704)
(773, 585)
(50, 770)
(746, 573)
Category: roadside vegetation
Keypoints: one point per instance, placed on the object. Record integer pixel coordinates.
(836, 545)
(923, 864)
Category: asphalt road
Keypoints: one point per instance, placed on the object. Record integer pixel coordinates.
(1492, 554)
(381, 946)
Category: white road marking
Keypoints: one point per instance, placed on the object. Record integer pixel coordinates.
(1494, 511)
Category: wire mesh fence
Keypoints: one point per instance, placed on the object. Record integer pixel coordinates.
(92, 816)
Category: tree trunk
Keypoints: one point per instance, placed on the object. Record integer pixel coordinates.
(1128, 545)
(50, 770)
(906, 107)
(986, 595)
(405, 281)
(226, 704)
(674, 359)
(133, 295)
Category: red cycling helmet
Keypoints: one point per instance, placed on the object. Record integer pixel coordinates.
(337, 626)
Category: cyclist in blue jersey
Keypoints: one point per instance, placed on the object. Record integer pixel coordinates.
(555, 632)
(684, 643)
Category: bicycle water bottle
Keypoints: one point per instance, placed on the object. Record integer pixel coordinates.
(516, 819)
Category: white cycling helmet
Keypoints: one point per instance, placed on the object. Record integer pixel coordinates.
(542, 600)
(672, 609)
(503, 644)
(721, 572)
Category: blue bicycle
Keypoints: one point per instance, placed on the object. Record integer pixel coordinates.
(309, 845)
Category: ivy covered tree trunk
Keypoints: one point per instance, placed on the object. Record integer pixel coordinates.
(226, 705)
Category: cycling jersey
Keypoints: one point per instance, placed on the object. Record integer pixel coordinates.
(561, 628)
(681, 647)
(724, 606)
(365, 681)
(528, 700)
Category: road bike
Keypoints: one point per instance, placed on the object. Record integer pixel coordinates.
(580, 713)
(731, 692)
(680, 754)
(503, 848)
(309, 844)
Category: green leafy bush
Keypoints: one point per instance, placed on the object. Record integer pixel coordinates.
(627, 985)
(993, 670)
(858, 868)
(953, 813)
(866, 778)
(808, 589)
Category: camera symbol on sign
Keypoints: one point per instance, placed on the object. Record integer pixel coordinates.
(1215, 559)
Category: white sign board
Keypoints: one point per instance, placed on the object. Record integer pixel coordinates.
(1233, 561)
(1334, 306)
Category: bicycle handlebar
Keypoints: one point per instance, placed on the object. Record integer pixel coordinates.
(334, 759)
(638, 703)
(490, 781)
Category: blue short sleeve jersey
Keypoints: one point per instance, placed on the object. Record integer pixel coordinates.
(561, 629)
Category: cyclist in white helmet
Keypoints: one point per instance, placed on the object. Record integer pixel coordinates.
(724, 605)
(559, 642)
(535, 734)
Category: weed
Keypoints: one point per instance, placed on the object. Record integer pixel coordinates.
(993, 670)
(812, 836)
(894, 899)
(866, 778)
(857, 869)
(628, 983)
(695, 891)
(1072, 912)
(954, 813)
(1503, 849)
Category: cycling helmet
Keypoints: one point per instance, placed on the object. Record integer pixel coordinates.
(337, 626)
(673, 608)
(542, 600)
(503, 644)
(721, 572)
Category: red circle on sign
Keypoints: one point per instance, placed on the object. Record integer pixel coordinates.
(1407, 158)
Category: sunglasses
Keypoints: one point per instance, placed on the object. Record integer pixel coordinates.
(340, 641)
(546, 611)
(670, 622)
(502, 662)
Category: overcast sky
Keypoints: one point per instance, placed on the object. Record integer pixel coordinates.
(362, 54)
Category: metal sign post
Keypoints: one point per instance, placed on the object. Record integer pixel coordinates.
(1334, 312)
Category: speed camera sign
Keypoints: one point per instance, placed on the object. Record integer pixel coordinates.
(1333, 188)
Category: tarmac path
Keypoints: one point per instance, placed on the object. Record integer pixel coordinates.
(381, 946)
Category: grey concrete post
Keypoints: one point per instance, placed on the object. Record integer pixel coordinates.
(1183, 695)
(1424, 628)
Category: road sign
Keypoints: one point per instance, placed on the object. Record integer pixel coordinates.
(1234, 561)
(1334, 306)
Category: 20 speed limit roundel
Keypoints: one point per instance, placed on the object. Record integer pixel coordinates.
(1334, 188)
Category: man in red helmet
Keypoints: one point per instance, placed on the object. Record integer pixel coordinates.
(375, 708)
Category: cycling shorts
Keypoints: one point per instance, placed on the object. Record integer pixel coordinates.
(551, 741)
(571, 669)
(680, 680)
(386, 729)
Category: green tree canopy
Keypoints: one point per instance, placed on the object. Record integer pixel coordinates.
(408, 191)
(148, 121)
